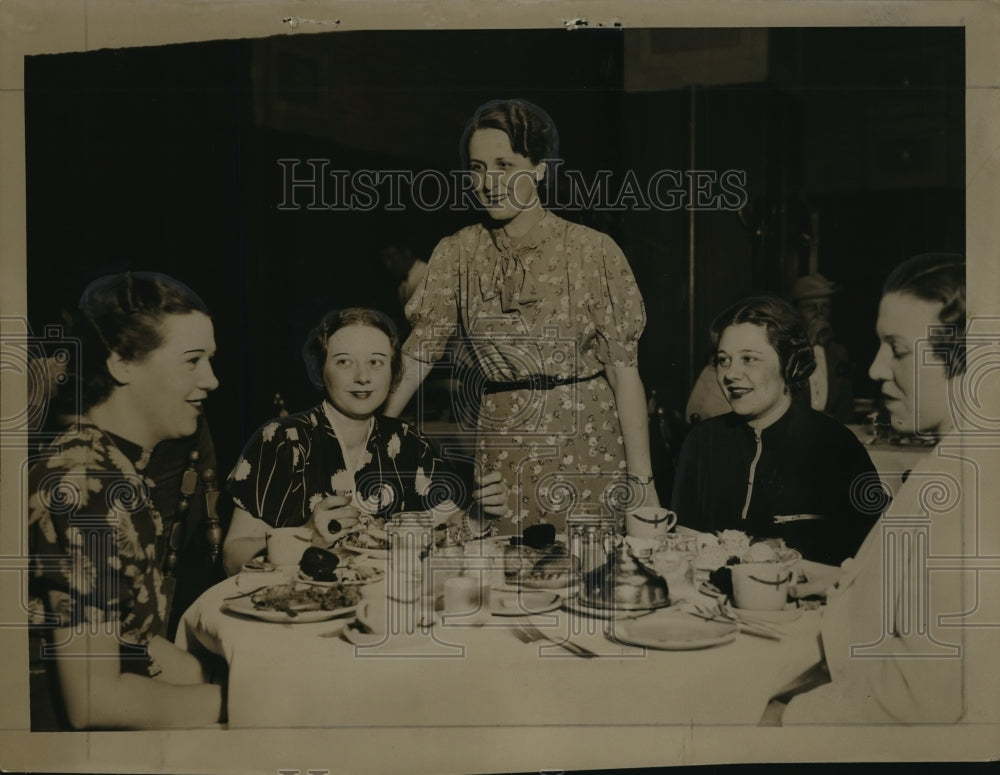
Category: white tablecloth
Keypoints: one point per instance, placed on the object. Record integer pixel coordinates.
(309, 675)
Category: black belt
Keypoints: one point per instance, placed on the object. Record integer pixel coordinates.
(537, 382)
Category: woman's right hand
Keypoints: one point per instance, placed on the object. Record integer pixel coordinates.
(491, 494)
(822, 581)
(335, 512)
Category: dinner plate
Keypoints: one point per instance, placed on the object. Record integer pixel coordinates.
(523, 602)
(258, 565)
(574, 605)
(377, 576)
(674, 631)
(380, 554)
(245, 606)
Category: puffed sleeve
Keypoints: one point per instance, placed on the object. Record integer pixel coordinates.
(616, 305)
(83, 555)
(268, 480)
(433, 310)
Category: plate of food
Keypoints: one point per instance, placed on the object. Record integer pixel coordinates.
(523, 602)
(296, 603)
(674, 630)
(729, 547)
(536, 559)
(367, 537)
(355, 575)
(258, 565)
(321, 566)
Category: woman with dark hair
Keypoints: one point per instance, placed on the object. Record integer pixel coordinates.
(553, 315)
(895, 631)
(773, 467)
(324, 467)
(98, 542)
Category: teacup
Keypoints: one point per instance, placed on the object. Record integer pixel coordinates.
(649, 522)
(286, 545)
(761, 586)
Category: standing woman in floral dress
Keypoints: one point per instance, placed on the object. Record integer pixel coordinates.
(553, 314)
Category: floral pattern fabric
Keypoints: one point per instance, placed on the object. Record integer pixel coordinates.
(97, 541)
(544, 315)
(293, 462)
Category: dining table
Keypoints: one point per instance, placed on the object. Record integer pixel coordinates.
(484, 669)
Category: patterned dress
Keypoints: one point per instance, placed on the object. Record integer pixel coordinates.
(97, 541)
(544, 315)
(293, 462)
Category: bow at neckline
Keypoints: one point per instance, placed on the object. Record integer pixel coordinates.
(510, 278)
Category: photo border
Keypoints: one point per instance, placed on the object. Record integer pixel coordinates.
(29, 27)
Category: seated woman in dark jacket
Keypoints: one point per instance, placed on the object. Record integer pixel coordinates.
(773, 467)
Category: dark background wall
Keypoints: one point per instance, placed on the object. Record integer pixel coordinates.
(167, 158)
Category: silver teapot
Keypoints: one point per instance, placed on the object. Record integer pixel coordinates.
(626, 581)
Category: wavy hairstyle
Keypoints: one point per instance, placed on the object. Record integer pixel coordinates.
(785, 334)
(124, 314)
(531, 130)
(937, 277)
(314, 350)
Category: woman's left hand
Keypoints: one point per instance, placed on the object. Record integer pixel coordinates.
(492, 494)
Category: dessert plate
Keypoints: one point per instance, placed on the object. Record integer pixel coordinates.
(574, 605)
(674, 631)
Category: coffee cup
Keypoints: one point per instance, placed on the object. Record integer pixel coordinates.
(286, 545)
(761, 586)
(649, 522)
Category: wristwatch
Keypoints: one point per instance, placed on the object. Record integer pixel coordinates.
(644, 480)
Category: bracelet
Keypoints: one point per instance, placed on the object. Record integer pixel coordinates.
(643, 480)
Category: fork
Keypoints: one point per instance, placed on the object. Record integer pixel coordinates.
(528, 633)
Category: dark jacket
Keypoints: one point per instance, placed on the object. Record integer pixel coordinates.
(810, 481)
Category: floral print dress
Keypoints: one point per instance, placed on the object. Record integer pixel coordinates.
(97, 541)
(293, 462)
(544, 315)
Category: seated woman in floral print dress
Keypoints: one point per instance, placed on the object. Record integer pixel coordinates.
(96, 537)
(326, 466)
